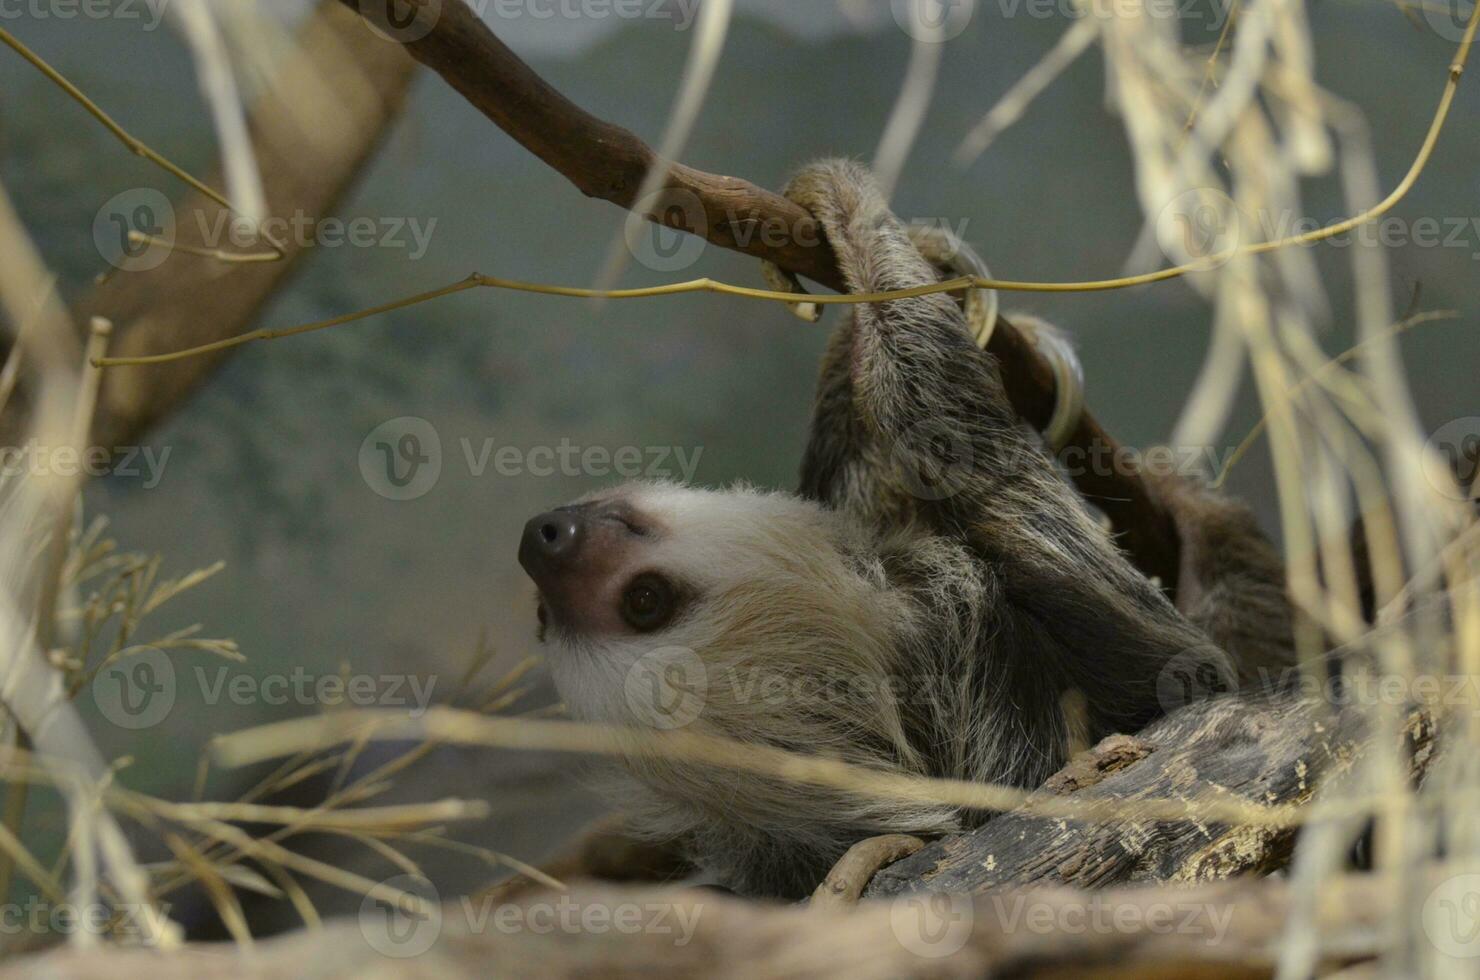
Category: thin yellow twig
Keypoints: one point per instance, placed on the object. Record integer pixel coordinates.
(138, 147)
(494, 859)
(22, 858)
(380, 818)
(216, 888)
(451, 726)
(1210, 71)
(219, 255)
(387, 851)
(301, 902)
(706, 285)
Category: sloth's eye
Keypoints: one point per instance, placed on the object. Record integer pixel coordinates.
(648, 603)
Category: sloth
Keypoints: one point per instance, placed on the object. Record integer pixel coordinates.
(936, 600)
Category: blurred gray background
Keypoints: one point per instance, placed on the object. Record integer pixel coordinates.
(264, 467)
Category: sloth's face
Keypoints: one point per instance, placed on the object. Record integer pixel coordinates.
(595, 564)
(698, 587)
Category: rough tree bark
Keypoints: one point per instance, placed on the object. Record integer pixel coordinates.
(1267, 750)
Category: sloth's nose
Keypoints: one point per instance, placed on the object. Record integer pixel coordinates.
(551, 541)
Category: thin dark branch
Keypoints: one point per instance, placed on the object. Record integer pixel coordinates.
(608, 162)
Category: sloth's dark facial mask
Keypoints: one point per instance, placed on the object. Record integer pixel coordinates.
(593, 563)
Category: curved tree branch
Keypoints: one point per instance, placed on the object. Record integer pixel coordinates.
(608, 162)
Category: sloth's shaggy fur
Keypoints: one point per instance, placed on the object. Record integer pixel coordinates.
(925, 604)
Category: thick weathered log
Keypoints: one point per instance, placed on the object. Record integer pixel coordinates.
(1226, 929)
(1263, 749)
(608, 162)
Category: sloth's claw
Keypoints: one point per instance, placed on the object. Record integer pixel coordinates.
(844, 884)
